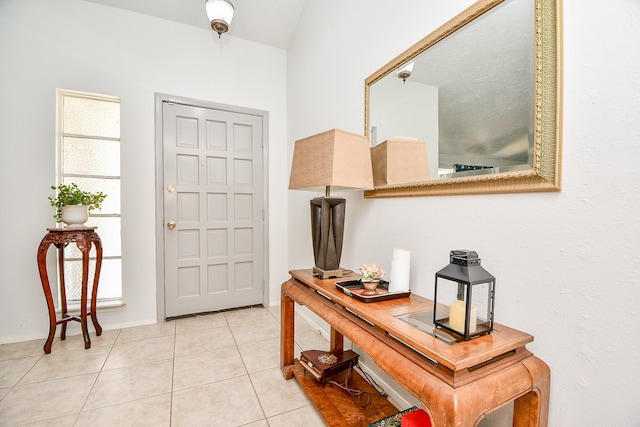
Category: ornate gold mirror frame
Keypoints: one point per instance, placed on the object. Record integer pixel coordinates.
(545, 172)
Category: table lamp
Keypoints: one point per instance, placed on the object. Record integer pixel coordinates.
(333, 159)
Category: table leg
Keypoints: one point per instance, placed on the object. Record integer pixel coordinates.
(532, 409)
(337, 341)
(94, 290)
(287, 334)
(63, 290)
(84, 244)
(46, 286)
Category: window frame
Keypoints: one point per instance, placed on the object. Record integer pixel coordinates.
(111, 302)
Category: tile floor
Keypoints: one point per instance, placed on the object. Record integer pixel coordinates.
(220, 369)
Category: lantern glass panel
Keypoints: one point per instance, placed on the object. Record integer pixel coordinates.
(481, 298)
(452, 299)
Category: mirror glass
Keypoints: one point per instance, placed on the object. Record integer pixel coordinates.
(472, 90)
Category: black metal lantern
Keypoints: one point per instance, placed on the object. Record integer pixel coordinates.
(464, 296)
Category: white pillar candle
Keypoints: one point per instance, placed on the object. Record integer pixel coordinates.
(400, 270)
(456, 316)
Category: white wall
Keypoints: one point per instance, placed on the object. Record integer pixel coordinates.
(79, 45)
(567, 263)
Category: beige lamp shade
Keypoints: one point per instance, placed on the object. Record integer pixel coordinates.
(335, 158)
(400, 162)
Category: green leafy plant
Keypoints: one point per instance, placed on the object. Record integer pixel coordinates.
(72, 195)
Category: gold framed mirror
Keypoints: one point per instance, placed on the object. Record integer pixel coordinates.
(484, 92)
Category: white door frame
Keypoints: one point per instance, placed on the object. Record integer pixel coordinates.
(159, 183)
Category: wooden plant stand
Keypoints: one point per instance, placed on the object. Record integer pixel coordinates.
(84, 238)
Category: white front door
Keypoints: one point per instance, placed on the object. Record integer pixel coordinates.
(213, 201)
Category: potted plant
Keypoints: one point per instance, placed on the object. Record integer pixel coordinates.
(73, 204)
(370, 276)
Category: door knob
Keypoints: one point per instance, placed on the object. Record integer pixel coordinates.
(171, 225)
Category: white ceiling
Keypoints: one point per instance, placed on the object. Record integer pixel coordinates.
(271, 22)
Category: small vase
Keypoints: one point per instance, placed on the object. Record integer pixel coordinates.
(75, 215)
(370, 287)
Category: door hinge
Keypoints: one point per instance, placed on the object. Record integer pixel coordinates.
(263, 214)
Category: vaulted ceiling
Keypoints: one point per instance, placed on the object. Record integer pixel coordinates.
(271, 22)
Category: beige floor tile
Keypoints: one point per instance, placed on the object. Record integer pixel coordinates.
(215, 364)
(260, 355)
(276, 394)
(303, 417)
(275, 312)
(146, 331)
(203, 340)
(195, 323)
(12, 370)
(76, 342)
(62, 364)
(251, 316)
(131, 383)
(303, 326)
(152, 412)
(311, 341)
(65, 421)
(225, 403)
(141, 351)
(207, 367)
(45, 400)
(261, 423)
(247, 332)
(21, 349)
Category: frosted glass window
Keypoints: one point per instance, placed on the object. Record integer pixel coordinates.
(91, 156)
(73, 279)
(108, 285)
(89, 153)
(90, 116)
(110, 279)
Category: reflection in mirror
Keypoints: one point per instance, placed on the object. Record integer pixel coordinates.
(483, 92)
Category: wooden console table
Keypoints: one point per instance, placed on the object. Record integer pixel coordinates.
(457, 383)
(84, 237)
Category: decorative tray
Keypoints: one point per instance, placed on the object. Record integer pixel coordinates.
(355, 289)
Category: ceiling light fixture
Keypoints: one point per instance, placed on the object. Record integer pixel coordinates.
(220, 14)
(405, 72)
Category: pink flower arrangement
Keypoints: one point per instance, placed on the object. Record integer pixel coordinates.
(370, 273)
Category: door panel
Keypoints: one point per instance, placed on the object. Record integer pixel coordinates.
(214, 193)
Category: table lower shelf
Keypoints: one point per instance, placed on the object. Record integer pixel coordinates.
(339, 408)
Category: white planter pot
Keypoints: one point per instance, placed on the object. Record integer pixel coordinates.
(75, 215)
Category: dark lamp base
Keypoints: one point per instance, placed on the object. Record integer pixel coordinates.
(326, 274)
